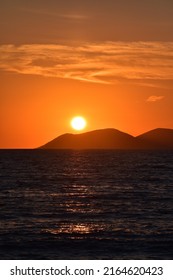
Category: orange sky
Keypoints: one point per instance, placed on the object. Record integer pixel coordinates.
(48, 77)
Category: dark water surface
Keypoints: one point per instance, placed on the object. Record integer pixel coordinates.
(86, 204)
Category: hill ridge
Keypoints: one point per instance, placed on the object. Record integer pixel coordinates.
(111, 138)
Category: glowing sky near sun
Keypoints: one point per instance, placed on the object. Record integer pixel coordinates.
(110, 61)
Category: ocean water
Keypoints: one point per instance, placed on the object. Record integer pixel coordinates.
(86, 204)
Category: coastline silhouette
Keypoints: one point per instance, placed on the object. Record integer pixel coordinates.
(110, 138)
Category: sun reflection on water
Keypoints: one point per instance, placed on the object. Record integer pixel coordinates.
(71, 229)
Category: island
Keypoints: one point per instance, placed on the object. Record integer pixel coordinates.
(110, 138)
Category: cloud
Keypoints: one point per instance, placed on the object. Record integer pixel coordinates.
(74, 16)
(68, 16)
(155, 98)
(107, 62)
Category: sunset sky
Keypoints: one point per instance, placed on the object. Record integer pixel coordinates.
(110, 61)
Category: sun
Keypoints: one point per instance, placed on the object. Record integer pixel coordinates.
(78, 123)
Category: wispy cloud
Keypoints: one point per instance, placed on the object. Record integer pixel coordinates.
(102, 63)
(68, 16)
(74, 16)
(155, 98)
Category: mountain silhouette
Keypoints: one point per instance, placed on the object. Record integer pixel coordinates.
(110, 138)
(159, 138)
(97, 139)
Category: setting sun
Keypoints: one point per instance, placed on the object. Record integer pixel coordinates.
(78, 123)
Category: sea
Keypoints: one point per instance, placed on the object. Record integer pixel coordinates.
(86, 204)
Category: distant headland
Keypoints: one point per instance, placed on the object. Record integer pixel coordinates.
(110, 138)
